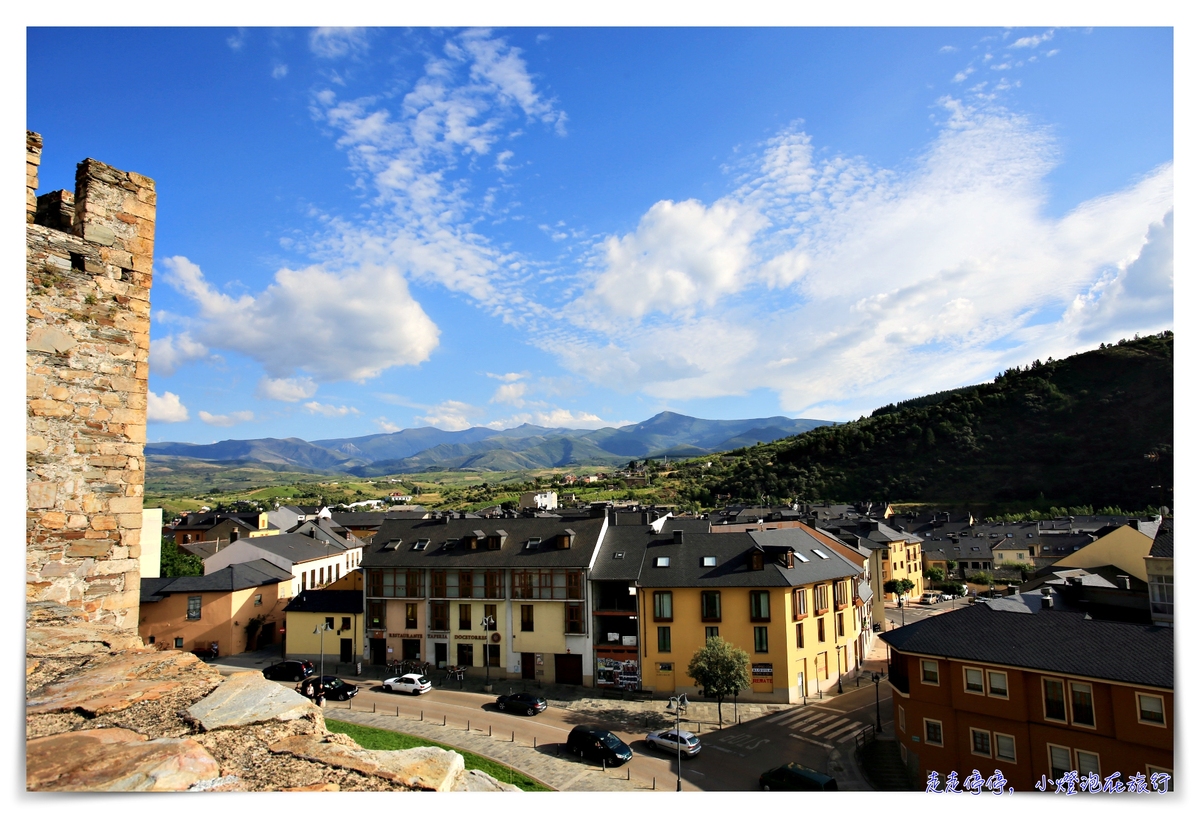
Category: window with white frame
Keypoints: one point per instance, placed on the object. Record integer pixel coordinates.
(929, 671)
(997, 683)
(1162, 595)
(1060, 760)
(1087, 763)
(1006, 747)
(901, 719)
(981, 743)
(1082, 712)
(933, 732)
(973, 680)
(1151, 709)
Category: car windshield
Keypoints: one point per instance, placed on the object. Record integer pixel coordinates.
(421, 680)
(334, 683)
(612, 741)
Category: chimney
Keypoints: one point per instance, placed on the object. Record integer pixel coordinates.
(1047, 600)
(233, 535)
(1123, 580)
(677, 536)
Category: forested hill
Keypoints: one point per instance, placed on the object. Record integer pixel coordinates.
(1075, 431)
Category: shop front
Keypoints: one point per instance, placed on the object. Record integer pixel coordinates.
(617, 668)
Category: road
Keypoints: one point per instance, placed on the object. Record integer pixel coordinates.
(819, 735)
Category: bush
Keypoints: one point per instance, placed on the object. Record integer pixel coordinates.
(982, 578)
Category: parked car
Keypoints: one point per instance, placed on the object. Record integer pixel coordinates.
(793, 777)
(598, 744)
(681, 742)
(413, 683)
(930, 598)
(289, 670)
(338, 690)
(947, 597)
(526, 703)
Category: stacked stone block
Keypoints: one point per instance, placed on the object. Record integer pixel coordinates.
(88, 261)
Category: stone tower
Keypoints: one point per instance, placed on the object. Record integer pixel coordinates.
(88, 274)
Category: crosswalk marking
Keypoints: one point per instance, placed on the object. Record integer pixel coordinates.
(854, 725)
(824, 744)
(828, 727)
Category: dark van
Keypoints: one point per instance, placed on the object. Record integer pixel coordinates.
(796, 777)
(598, 745)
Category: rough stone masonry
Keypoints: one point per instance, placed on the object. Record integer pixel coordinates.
(88, 262)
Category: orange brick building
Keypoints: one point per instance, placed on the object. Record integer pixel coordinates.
(1022, 686)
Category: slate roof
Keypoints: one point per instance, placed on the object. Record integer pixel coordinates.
(446, 549)
(972, 548)
(231, 578)
(358, 519)
(327, 530)
(1164, 544)
(294, 547)
(334, 602)
(1051, 640)
(631, 542)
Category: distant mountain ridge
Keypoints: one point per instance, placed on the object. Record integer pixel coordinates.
(667, 434)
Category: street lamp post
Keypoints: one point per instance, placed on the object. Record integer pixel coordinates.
(678, 705)
(324, 626)
(875, 677)
(837, 650)
(900, 605)
(488, 623)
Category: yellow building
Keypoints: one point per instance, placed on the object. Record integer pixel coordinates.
(1126, 548)
(327, 623)
(794, 608)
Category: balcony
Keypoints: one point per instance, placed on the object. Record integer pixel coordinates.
(898, 675)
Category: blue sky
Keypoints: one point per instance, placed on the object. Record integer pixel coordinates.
(366, 230)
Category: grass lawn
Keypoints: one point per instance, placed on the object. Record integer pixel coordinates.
(371, 738)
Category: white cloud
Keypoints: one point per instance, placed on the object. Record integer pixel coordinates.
(962, 75)
(553, 419)
(290, 390)
(1034, 41)
(166, 408)
(348, 324)
(386, 425)
(332, 43)
(279, 71)
(888, 282)
(232, 419)
(511, 393)
(508, 377)
(947, 49)
(169, 353)
(236, 40)
(330, 411)
(450, 416)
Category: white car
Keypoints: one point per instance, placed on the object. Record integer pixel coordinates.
(413, 683)
(683, 742)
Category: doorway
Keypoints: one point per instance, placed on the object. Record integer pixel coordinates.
(466, 655)
(568, 668)
(410, 650)
(266, 636)
(347, 654)
(440, 654)
(528, 666)
(378, 651)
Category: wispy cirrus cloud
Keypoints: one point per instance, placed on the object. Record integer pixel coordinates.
(330, 411)
(333, 43)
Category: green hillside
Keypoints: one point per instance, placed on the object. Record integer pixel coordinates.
(1073, 431)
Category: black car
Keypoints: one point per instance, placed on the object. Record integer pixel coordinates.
(334, 688)
(289, 670)
(526, 703)
(794, 777)
(599, 745)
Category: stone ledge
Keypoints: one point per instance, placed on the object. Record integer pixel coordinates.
(249, 698)
(115, 760)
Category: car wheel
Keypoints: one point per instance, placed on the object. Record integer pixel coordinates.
(766, 787)
(529, 711)
(501, 705)
(297, 678)
(651, 745)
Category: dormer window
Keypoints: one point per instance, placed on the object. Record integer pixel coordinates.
(662, 562)
(708, 562)
(533, 542)
(420, 545)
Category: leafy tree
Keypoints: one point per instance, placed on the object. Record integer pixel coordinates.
(177, 563)
(951, 565)
(721, 669)
(934, 574)
(898, 586)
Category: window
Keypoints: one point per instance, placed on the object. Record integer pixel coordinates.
(902, 726)
(1006, 748)
(799, 603)
(664, 640)
(345, 623)
(439, 583)
(973, 679)
(981, 742)
(574, 617)
(1162, 595)
(760, 606)
(329, 623)
(574, 585)
(322, 575)
(1052, 698)
(929, 671)
(410, 616)
(821, 598)
(178, 643)
(492, 655)
(711, 633)
(152, 639)
(933, 732)
(466, 579)
(257, 600)
(1087, 763)
(1060, 760)
(493, 585)
(303, 581)
(710, 606)
(841, 625)
(997, 683)
(820, 553)
(439, 612)
(489, 613)
(799, 634)
(527, 618)
(821, 629)
(708, 562)
(464, 617)
(375, 610)
(662, 606)
(1081, 704)
(1151, 710)
(760, 640)
(662, 562)
(193, 609)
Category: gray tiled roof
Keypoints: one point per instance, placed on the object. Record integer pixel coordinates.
(230, 578)
(445, 548)
(296, 547)
(1052, 640)
(334, 602)
(1164, 543)
(631, 541)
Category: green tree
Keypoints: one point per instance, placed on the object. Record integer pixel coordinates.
(721, 669)
(177, 563)
(898, 586)
(934, 574)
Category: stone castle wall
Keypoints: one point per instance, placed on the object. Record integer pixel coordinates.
(88, 264)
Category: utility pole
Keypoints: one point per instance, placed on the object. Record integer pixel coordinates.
(678, 705)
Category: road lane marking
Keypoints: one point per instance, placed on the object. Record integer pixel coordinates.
(854, 725)
(826, 745)
(828, 727)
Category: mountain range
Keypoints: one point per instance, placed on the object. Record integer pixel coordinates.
(667, 434)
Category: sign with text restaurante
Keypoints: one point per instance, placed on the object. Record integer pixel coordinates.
(404, 635)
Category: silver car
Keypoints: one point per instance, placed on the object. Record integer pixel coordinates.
(671, 741)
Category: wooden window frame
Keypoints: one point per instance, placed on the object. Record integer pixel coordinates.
(706, 610)
(664, 606)
(527, 619)
(573, 613)
(469, 609)
(1046, 701)
(711, 632)
(763, 599)
(799, 604)
(762, 631)
(439, 615)
(664, 639)
(1091, 694)
(800, 635)
(411, 616)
